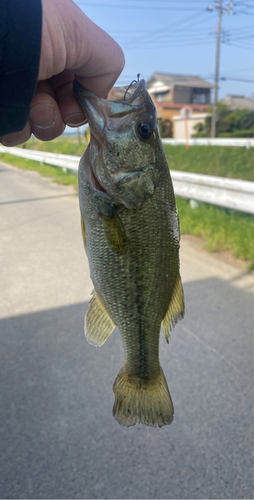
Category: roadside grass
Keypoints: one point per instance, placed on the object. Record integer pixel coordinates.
(222, 161)
(62, 145)
(57, 174)
(222, 229)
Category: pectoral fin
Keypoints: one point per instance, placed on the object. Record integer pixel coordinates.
(175, 310)
(98, 324)
(115, 233)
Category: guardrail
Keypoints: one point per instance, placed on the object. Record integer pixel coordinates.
(58, 160)
(229, 193)
(218, 141)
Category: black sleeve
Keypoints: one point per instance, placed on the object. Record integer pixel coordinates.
(20, 45)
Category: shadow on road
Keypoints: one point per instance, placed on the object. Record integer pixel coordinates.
(58, 436)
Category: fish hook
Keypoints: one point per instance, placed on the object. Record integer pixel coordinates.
(133, 81)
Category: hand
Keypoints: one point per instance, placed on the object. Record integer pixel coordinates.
(72, 47)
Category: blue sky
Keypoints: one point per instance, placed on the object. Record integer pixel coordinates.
(180, 37)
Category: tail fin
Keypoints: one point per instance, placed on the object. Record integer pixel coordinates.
(147, 403)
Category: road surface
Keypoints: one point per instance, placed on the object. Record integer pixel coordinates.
(58, 437)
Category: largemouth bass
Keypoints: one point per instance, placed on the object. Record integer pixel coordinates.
(131, 234)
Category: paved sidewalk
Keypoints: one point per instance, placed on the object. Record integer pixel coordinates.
(58, 437)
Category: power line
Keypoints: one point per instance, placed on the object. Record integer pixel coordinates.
(154, 35)
(249, 27)
(146, 31)
(245, 37)
(241, 46)
(244, 12)
(236, 79)
(170, 43)
(168, 2)
(168, 36)
(210, 77)
(179, 36)
(170, 39)
(235, 70)
(124, 79)
(135, 7)
(162, 32)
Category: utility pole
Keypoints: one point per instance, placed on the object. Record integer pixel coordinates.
(228, 10)
(214, 117)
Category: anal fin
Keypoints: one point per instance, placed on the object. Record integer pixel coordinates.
(98, 324)
(175, 310)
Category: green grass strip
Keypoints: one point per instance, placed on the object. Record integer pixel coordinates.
(61, 145)
(56, 173)
(222, 161)
(223, 229)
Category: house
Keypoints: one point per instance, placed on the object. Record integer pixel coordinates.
(179, 89)
(238, 102)
(171, 93)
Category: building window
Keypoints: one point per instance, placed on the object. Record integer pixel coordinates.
(161, 96)
(199, 97)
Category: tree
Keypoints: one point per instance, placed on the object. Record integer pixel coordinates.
(230, 123)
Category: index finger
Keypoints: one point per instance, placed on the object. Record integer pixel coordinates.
(71, 41)
(104, 63)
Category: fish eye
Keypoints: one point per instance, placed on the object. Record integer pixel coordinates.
(144, 130)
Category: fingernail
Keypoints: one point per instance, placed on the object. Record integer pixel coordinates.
(43, 115)
(75, 119)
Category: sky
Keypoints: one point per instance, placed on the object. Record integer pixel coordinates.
(179, 37)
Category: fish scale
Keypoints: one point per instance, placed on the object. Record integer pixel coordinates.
(131, 234)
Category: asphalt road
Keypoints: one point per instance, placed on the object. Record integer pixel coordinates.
(58, 438)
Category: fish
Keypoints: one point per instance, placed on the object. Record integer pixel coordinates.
(131, 235)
